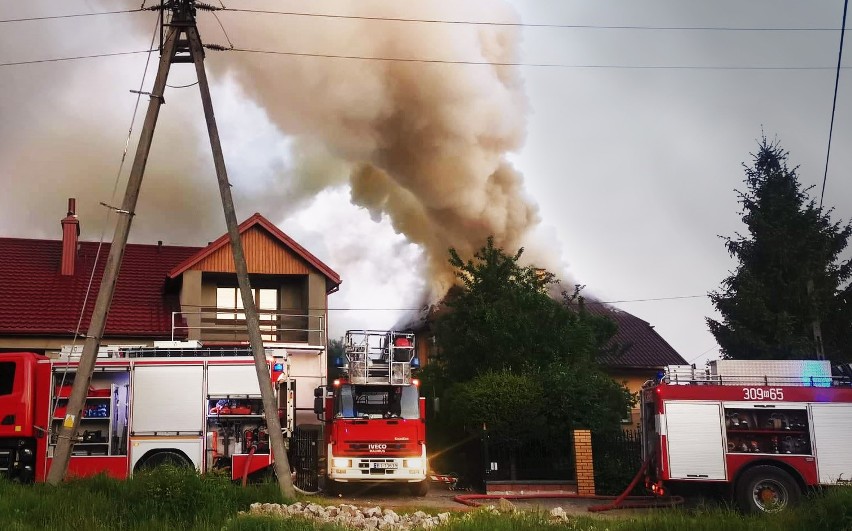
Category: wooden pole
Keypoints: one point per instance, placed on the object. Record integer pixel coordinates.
(270, 406)
(79, 389)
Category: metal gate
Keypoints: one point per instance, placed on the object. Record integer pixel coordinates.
(304, 458)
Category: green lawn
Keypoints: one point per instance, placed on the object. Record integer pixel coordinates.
(177, 499)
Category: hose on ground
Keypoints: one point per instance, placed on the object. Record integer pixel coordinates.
(618, 502)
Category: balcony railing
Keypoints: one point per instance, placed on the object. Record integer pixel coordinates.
(227, 324)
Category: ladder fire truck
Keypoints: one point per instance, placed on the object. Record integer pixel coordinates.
(178, 402)
(374, 415)
(765, 430)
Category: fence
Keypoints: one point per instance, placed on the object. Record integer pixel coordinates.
(529, 460)
(617, 457)
(304, 458)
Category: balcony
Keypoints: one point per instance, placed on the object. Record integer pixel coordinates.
(229, 325)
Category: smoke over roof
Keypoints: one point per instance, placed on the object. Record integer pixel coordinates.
(424, 144)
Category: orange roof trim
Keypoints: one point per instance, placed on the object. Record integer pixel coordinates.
(332, 278)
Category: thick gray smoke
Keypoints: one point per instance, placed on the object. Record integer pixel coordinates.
(424, 144)
(427, 143)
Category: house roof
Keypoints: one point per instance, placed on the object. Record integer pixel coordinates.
(636, 344)
(639, 345)
(256, 220)
(38, 300)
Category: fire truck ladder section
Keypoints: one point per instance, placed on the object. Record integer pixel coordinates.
(379, 357)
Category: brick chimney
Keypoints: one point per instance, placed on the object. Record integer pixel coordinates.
(70, 233)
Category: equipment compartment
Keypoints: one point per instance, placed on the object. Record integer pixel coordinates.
(767, 431)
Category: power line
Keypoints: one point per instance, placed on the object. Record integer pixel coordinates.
(703, 353)
(73, 15)
(57, 59)
(586, 301)
(520, 24)
(834, 103)
(450, 22)
(518, 63)
(650, 300)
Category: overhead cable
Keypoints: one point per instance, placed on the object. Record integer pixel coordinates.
(73, 15)
(57, 59)
(519, 24)
(834, 103)
(518, 63)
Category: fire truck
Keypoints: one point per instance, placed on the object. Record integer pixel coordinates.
(764, 430)
(177, 402)
(374, 415)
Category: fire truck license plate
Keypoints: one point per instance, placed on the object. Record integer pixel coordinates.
(383, 465)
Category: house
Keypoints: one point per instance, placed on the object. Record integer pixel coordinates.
(48, 289)
(637, 354)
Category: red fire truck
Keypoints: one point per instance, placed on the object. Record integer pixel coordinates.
(177, 402)
(374, 415)
(765, 430)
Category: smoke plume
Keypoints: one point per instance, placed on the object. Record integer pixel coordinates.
(426, 143)
(421, 144)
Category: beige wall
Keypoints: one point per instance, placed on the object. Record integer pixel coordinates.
(633, 379)
(191, 300)
(318, 310)
(52, 345)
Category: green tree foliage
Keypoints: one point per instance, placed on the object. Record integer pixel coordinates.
(335, 350)
(790, 272)
(512, 357)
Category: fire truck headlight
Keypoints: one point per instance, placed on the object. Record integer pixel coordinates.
(340, 462)
(415, 462)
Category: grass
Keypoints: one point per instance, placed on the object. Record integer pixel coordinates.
(179, 499)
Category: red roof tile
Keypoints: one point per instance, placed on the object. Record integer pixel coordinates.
(37, 300)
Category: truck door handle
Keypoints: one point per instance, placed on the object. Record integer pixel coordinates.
(8, 420)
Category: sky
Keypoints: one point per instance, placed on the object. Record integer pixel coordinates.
(611, 154)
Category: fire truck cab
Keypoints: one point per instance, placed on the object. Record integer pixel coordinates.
(374, 415)
(766, 430)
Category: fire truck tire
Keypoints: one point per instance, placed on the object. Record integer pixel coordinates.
(767, 489)
(421, 488)
(163, 458)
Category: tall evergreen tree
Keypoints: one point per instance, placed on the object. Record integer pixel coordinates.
(790, 273)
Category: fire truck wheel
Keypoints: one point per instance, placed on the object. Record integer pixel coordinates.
(419, 489)
(163, 458)
(767, 489)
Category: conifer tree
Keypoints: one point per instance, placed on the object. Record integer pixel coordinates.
(790, 273)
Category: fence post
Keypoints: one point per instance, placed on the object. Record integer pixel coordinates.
(583, 462)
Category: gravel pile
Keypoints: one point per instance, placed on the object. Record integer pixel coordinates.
(352, 516)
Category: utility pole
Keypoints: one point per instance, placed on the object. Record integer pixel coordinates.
(181, 45)
(817, 326)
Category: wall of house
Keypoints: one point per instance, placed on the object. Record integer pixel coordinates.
(191, 302)
(317, 305)
(53, 345)
(633, 379)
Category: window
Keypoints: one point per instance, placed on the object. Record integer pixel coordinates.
(378, 402)
(267, 306)
(7, 377)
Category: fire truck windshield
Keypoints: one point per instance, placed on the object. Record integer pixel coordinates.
(377, 401)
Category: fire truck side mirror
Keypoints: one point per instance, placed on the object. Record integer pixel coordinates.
(319, 392)
(318, 405)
